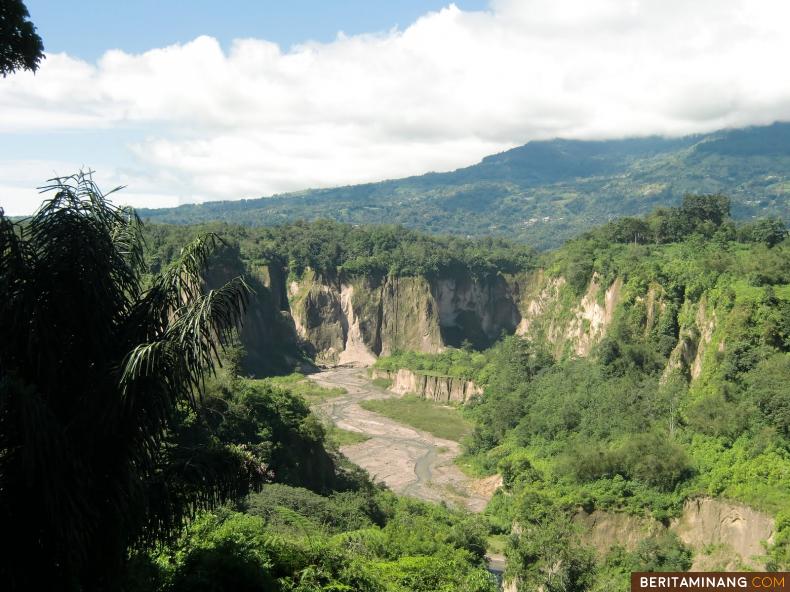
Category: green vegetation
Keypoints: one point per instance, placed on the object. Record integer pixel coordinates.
(497, 543)
(639, 426)
(545, 192)
(339, 437)
(369, 252)
(455, 363)
(291, 539)
(22, 48)
(383, 383)
(98, 377)
(615, 430)
(127, 456)
(440, 420)
(298, 384)
(130, 459)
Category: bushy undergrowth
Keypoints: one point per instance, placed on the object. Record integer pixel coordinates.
(291, 539)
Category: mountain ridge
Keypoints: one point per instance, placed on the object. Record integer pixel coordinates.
(544, 191)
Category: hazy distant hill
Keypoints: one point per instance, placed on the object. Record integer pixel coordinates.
(545, 191)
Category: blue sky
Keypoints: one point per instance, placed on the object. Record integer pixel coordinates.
(88, 28)
(202, 100)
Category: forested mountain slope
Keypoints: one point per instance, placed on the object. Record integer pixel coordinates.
(545, 191)
(641, 389)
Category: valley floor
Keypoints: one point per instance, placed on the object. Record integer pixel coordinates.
(409, 461)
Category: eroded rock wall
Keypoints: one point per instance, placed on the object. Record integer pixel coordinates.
(723, 535)
(353, 320)
(572, 325)
(442, 389)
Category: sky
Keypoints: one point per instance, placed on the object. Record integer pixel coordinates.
(190, 100)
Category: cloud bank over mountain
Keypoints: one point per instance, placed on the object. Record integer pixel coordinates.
(198, 122)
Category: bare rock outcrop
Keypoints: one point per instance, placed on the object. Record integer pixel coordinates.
(442, 389)
(602, 530)
(688, 355)
(723, 534)
(572, 325)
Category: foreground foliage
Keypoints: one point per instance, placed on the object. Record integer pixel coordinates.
(95, 371)
(290, 539)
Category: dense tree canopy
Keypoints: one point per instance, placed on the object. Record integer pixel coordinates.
(95, 369)
(20, 46)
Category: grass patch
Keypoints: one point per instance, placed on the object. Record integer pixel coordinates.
(300, 385)
(384, 383)
(456, 491)
(473, 466)
(441, 421)
(340, 437)
(496, 544)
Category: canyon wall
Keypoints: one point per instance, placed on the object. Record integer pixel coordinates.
(341, 320)
(335, 320)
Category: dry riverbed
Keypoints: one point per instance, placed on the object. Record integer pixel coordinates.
(410, 461)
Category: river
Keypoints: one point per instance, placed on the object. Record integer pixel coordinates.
(409, 461)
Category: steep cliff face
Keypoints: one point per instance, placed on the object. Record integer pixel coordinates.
(267, 332)
(572, 325)
(442, 389)
(722, 535)
(318, 317)
(342, 320)
(353, 320)
(478, 311)
(693, 340)
(603, 530)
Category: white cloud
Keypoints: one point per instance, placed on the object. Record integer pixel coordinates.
(449, 89)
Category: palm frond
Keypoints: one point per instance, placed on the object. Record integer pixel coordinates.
(92, 372)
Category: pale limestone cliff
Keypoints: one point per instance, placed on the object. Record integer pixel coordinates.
(356, 350)
(353, 320)
(342, 320)
(693, 340)
(706, 324)
(593, 318)
(602, 530)
(442, 389)
(538, 302)
(570, 324)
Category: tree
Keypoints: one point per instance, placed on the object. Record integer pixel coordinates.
(767, 386)
(545, 553)
(20, 45)
(95, 368)
(770, 231)
(699, 209)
